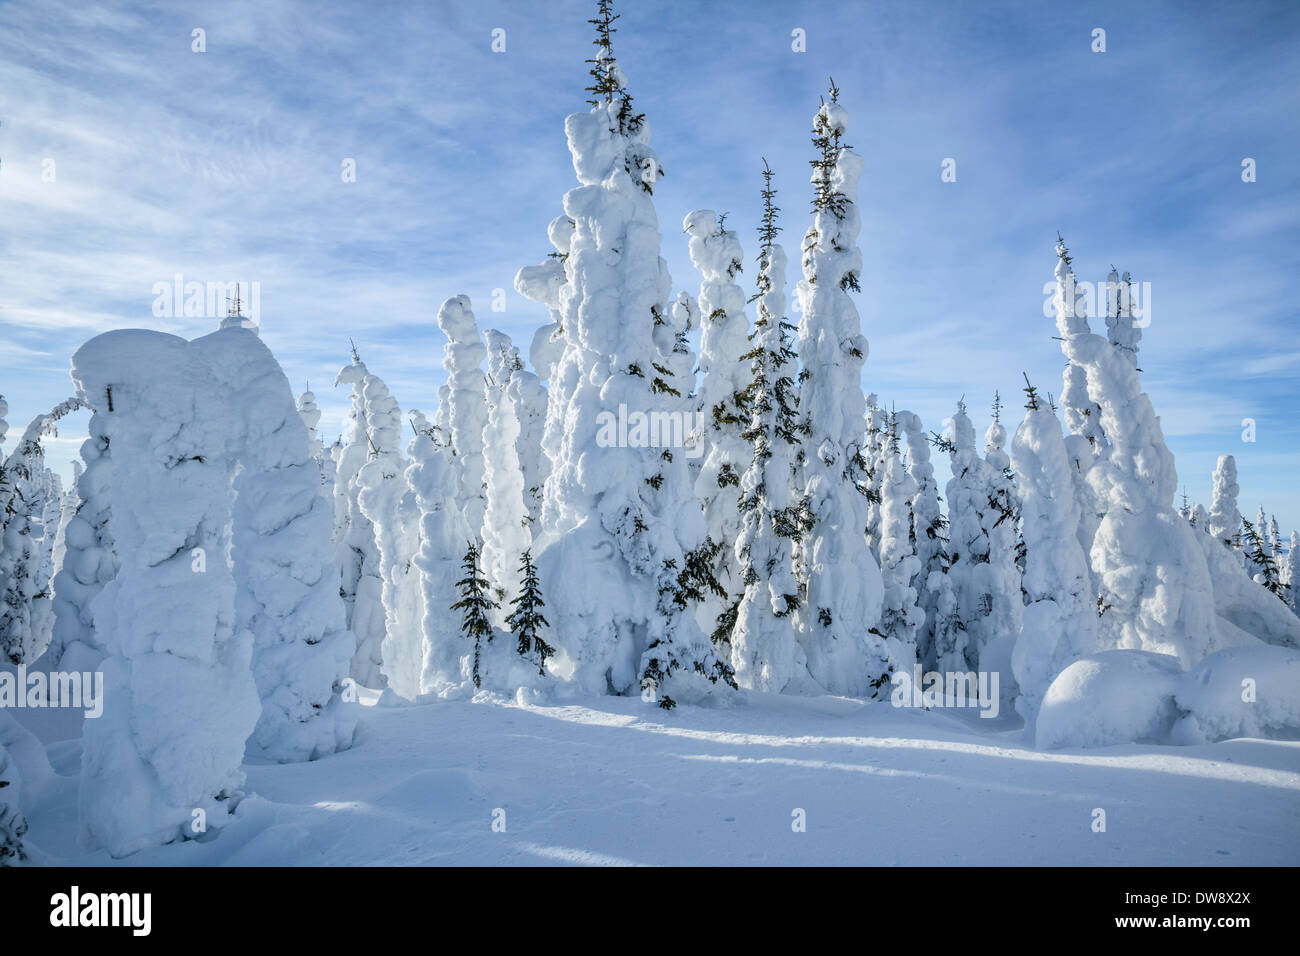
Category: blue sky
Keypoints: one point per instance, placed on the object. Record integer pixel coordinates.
(226, 165)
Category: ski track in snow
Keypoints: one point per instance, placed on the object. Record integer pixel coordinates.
(612, 781)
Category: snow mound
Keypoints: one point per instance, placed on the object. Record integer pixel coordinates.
(1240, 692)
(1115, 697)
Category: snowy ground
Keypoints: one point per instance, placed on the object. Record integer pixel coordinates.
(616, 781)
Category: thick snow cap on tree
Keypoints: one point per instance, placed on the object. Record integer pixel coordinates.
(1155, 587)
(1060, 619)
(356, 549)
(286, 581)
(179, 695)
(89, 558)
(844, 587)
(928, 526)
(619, 518)
(1225, 519)
(431, 476)
(506, 531)
(716, 253)
(463, 358)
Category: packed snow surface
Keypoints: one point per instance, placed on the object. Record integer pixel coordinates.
(606, 780)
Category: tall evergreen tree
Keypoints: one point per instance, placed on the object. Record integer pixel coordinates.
(526, 620)
(844, 587)
(764, 647)
(474, 605)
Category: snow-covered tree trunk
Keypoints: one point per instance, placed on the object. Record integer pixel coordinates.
(844, 587)
(179, 696)
(285, 578)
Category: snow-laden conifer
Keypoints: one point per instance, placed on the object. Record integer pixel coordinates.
(463, 358)
(286, 585)
(716, 252)
(1060, 619)
(179, 694)
(842, 580)
(619, 508)
(765, 650)
(1155, 586)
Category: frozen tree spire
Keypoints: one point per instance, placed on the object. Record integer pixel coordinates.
(844, 587)
(929, 528)
(506, 528)
(432, 478)
(1292, 573)
(1225, 519)
(179, 694)
(463, 357)
(1060, 620)
(1154, 583)
(361, 581)
(764, 646)
(286, 584)
(620, 506)
(901, 617)
(716, 253)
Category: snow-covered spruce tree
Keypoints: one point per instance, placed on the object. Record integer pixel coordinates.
(929, 530)
(765, 650)
(356, 550)
(715, 251)
(51, 518)
(310, 413)
(957, 644)
(463, 357)
(1154, 583)
(901, 617)
(475, 606)
(1225, 519)
(1260, 560)
(554, 352)
(431, 475)
(528, 398)
(1086, 443)
(1293, 573)
(1060, 620)
(999, 615)
(89, 558)
(68, 505)
(506, 529)
(179, 696)
(875, 453)
(621, 511)
(26, 620)
(389, 505)
(1275, 540)
(527, 621)
(842, 580)
(13, 825)
(286, 583)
